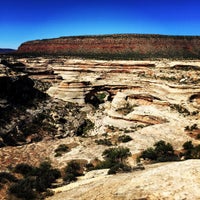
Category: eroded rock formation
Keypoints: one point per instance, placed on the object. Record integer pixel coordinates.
(146, 100)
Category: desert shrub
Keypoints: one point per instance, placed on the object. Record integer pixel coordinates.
(58, 154)
(116, 154)
(84, 128)
(149, 153)
(101, 96)
(23, 189)
(124, 138)
(89, 166)
(62, 148)
(114, 159)
(24, 169)
(69, 178)
(35, 182)
(196, 152)
(191, 128)
(73, 167)
(5, 176)
(72, 170)
(161, 152)
(191, 151)
(163, 148)
(180, 109)
(198, 136)
(106, 142)
(45, 176)
(188, 145)
(105, 164)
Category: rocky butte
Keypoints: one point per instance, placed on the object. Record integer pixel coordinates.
(62, 109)
(119, 46)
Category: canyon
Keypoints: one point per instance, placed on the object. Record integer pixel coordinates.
(44, 100)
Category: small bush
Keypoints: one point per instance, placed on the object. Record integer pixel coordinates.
(114, 159)
(162, 152)
(24, 169)
(69, 178)
(84, 128)
(106, 142)
(73, 167)
(149, 153)
(72, 170)
(23, 189)
(119, 167)
(191, 128)
(188, 145)
(198, 136)
(180, 109)
(5, 176)
(191, 151)
(124, 138)
(116, 154)
(62, 148)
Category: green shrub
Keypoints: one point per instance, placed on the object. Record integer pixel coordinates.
(162, 152)
(196, 152)
(101, 96)
(106, 142)
(5, 176)
(72, 170)
(149, 153)
(73, 167)
(45, 176)
(180, 109)
(84, 128)
(191, 151)
(69, 178)
(119, 167)
(23, 189)
(114, 159)
(198, 136)
(24, 169)
(188, 145)
(124, 138)
(62, 148)
(191, 128)
(116, 155)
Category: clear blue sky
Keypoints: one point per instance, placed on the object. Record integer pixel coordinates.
(24, 20)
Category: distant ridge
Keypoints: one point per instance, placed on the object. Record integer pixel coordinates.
(6, 50)
(117, 46)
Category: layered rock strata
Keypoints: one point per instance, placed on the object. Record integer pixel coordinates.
(120, 45)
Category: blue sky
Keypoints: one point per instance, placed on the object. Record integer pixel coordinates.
(24, 20)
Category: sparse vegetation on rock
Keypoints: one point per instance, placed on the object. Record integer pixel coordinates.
(115, 160)
(191, 151)
(124, 138)
(36, 180)
(86, 126)
(161, 152)
(105, 142)
(72, 170)
(62, 148)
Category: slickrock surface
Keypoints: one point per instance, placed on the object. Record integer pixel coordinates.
(168, 181)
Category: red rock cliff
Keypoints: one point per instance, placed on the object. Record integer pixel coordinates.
(128, 44)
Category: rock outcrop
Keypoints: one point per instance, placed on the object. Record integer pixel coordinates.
(121, 46)
(171, 181)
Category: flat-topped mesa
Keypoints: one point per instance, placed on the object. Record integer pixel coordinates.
(131, 45)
